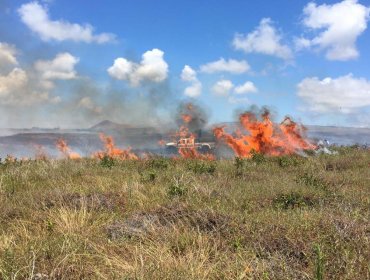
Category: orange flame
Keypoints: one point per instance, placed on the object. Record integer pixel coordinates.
(112, 151)
(188, 149)
(265, 137)
(65, 150)
(186, 118)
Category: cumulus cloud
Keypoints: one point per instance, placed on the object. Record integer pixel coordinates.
(8, 54)
(21, 87)
(222, 88)
(227, 89)
(338, 25)
(36, 17)
(13, 81)
(344, 94)
(247, 87)
(61, 67)
(188, 74)
(17, 89)
(194, 90)
(265, 39)
(151, 68)
(232, 66)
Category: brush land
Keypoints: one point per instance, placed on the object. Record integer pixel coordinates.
(262, 218)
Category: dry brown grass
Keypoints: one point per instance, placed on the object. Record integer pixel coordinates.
(277, 218)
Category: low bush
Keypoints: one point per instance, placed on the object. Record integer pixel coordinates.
(201, 167)
(292, 200)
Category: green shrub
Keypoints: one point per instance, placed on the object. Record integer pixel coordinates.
(258, 157)
(291, 201)
(177, 189)
(311, 180)
(286, 161)
(158, 163)
(239, 164)
(201, 167)
(148, 176)
(107, 162)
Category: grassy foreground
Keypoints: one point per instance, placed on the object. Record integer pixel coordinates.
(263, 218)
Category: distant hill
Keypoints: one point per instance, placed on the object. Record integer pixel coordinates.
(107, 125)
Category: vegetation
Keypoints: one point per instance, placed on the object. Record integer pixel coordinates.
(262, 218)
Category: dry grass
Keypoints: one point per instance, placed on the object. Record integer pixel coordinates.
(265, 218)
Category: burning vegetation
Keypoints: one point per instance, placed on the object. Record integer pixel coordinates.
(112, 151)
(258, 134)
(65, 150)
(191, 122)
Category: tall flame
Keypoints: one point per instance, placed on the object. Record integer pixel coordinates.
(263, 136)
(65, 150)
(112, 151)
(189, 150)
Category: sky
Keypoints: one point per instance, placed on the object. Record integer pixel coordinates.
(75, 63)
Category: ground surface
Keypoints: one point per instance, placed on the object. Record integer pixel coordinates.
(274, 218)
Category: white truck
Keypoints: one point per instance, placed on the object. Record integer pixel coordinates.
(189, 143)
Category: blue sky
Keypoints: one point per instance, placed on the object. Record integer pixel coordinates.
(305, 59)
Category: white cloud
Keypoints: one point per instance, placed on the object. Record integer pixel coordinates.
(221, 65)
(61, 67)
(193, 90)
(121, 69)
(36, 17)
(151, 68)
(188, 74)
(23, 88)
(344, 94)
(247, 87)
(227, 89)
(339, 25)
(222, 87)
(17, 89)
(264, 39)
(14, 81)
(302, 43)
(7, 54)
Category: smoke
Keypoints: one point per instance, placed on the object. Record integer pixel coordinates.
(197, 116)
(88, 103)
(257, 112)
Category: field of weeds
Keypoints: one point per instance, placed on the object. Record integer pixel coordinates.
(262, 218)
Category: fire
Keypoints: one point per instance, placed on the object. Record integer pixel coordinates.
(187, 147)
(112, 151)
(65, 150)
(186, 118)
(263, 136)
(190, 151)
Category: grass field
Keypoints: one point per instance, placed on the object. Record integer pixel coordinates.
(262, 218)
